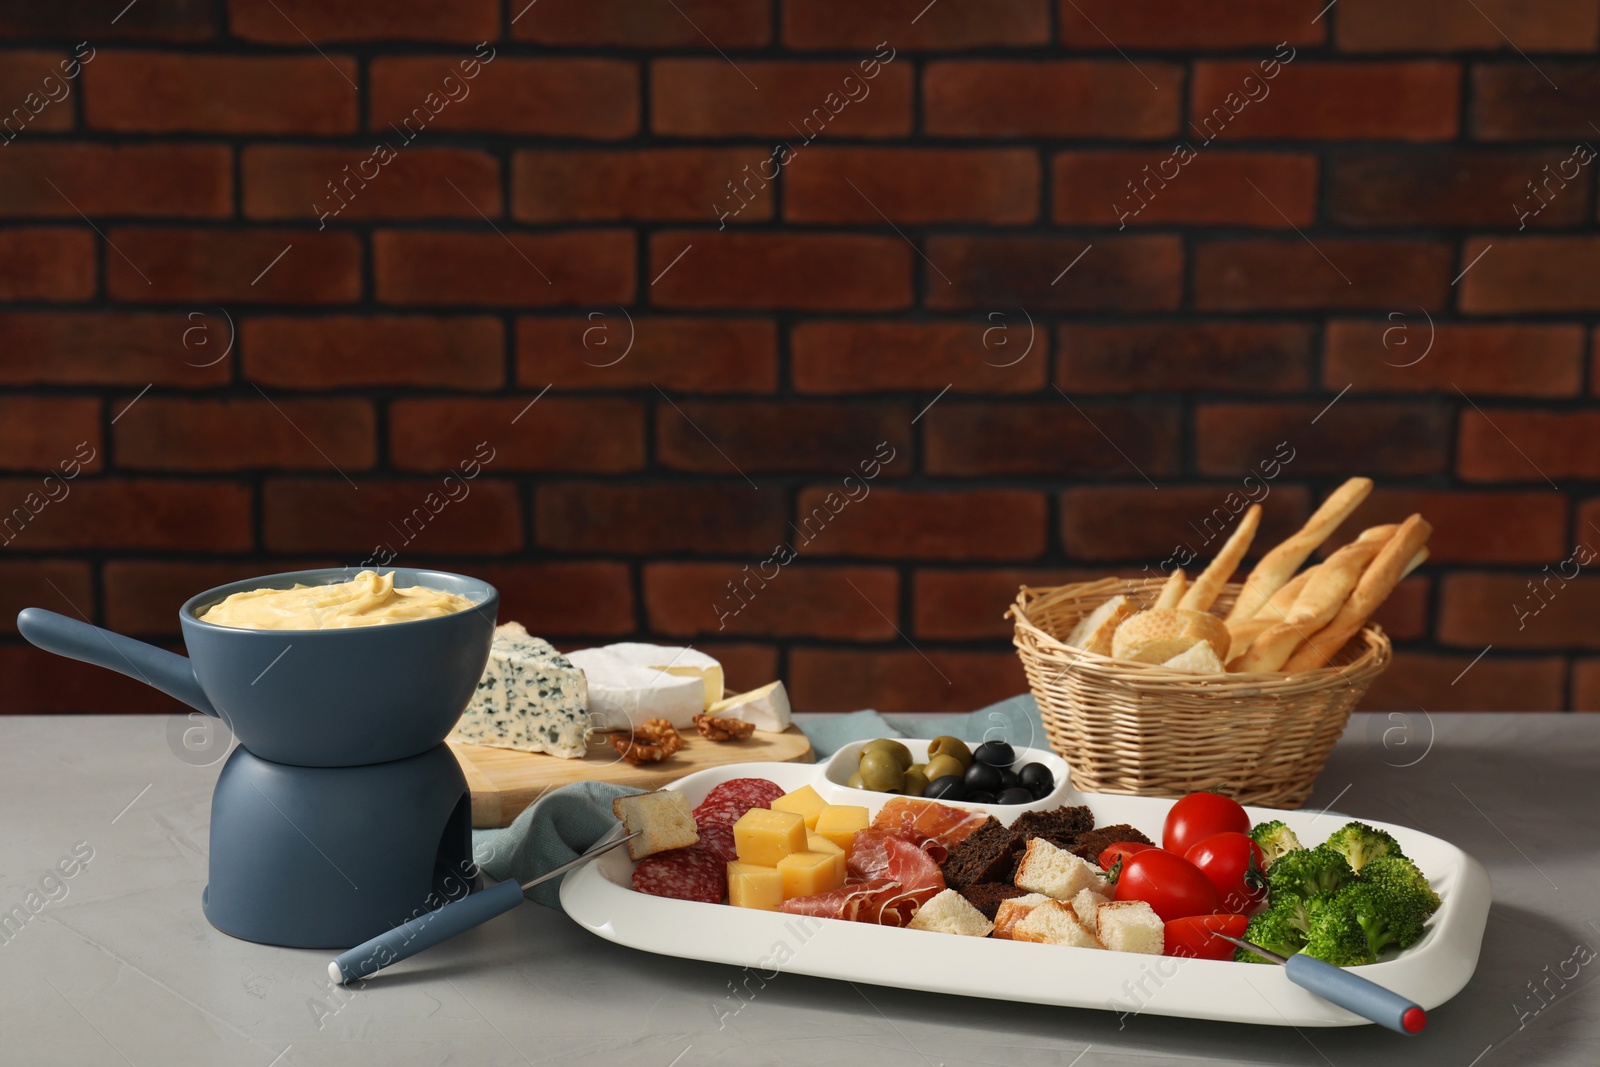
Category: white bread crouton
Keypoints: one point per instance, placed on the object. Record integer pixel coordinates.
(1054, 923)
(1055, 872)
(951, 913)
(1130, 926)
(1086, 904)
(1013, 911)
(663, 816)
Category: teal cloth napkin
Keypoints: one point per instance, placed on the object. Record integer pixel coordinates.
(564, 823)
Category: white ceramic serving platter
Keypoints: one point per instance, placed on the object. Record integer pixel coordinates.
(599, 896)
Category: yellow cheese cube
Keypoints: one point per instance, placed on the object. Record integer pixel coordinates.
(752, 886)
(818, 843)
(839, 823)
(805, 873)
(804, 802)
(764, 836)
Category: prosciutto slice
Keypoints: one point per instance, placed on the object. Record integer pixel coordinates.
(869, 856)
(910, 878)
(949, 826)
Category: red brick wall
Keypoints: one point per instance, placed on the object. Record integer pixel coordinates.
(947, 264)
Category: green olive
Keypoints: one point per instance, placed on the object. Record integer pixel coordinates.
(941, 766)
(916, 781)
(901, 753)
(951, 746)
(856, 782)
(882, 772)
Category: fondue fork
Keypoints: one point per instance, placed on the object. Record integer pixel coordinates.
(1352, 992)
(445, 922)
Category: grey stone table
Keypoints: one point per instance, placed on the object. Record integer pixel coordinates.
(120, 966)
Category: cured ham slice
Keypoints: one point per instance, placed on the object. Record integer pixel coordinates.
(909, 880)
(949, 826)
(868, 856)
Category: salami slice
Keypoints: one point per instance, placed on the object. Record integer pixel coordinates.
(717, 839)
(692, 873)
(730, 800)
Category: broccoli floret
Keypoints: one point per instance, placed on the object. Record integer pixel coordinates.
(1281, 929)
(1394, 903)
(1308, 873)
(1337, 935)
(1274, 839)
(1360, 844)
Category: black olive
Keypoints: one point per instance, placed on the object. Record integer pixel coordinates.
(1015, 796)
(1008, 778)
(1037, 779)
(982, 777)
(980, 797)
(995, 754)
(947, 787)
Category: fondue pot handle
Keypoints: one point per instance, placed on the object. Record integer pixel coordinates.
(167, 671)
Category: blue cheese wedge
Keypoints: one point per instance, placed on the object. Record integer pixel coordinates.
(530, 698)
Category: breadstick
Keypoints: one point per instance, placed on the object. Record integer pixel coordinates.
(1375, 586)
(1204, 591)
(1326, 590)
(1241, 635)
(1277, 609)
(1172, 592)
(1278, 566)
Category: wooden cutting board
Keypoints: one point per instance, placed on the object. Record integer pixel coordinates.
(504, 781)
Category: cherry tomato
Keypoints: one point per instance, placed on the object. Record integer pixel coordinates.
(1191, 938)
(1198, 816)
(1120, 850)
(1170, 884)
(1233, 864)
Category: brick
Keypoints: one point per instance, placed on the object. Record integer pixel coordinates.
(1142, 273)
(391, 518)
(287, 182)
(56, 584)
(40, 683)
(1443, 26)
(1453, 187)
(913, 185)
(35, 92)
(977, 440)
(1586, 684)
(345, 351)
(668, 184)
(129, 513)
(98, 348)
(1511, 101)
(590, 99)
(178, 181)
(611, 350)
(1531, 274)
(1497, 683)
(1179, 526)
(700, 25)
(1534, 609)
(194, 265)
(162, 433)
(648, 520)
(803, 271)
(1408, 613)
(1528, 446)
(1291, 274)
(769, 599)
(1004, 353)
(144, 596)
(558, 434)
(1087, 98)
(745, 665)
(173, 20)
(784, 436)
(39, 432)
(298, 22)
(1265, 357)
(1093, 188)
(802, 100)
(913, 26)
(168, 92)
(518, 269)
(968, 605)
(903, 680)
(1393, 439)
(1188, 25)
(1474, 526)
(997, 524)
(1393, 355)
(46, 263)
(578, 599)
(1413, 100)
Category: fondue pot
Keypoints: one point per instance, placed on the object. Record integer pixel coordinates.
(341, 813)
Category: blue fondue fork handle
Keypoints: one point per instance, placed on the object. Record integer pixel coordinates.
(1354, 993)
(425, 931)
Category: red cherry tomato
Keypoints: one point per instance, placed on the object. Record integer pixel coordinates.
(1198, 816)
(1170, 884)
(1191, 938)
(1233, 864)
(1120, 850)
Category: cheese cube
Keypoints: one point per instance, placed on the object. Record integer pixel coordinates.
(753, 886)
(804, 802)
(805, 873)
(839, 823)
(764, 837)
(818, 843)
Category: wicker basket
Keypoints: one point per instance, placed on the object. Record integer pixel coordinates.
(1141, 729)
